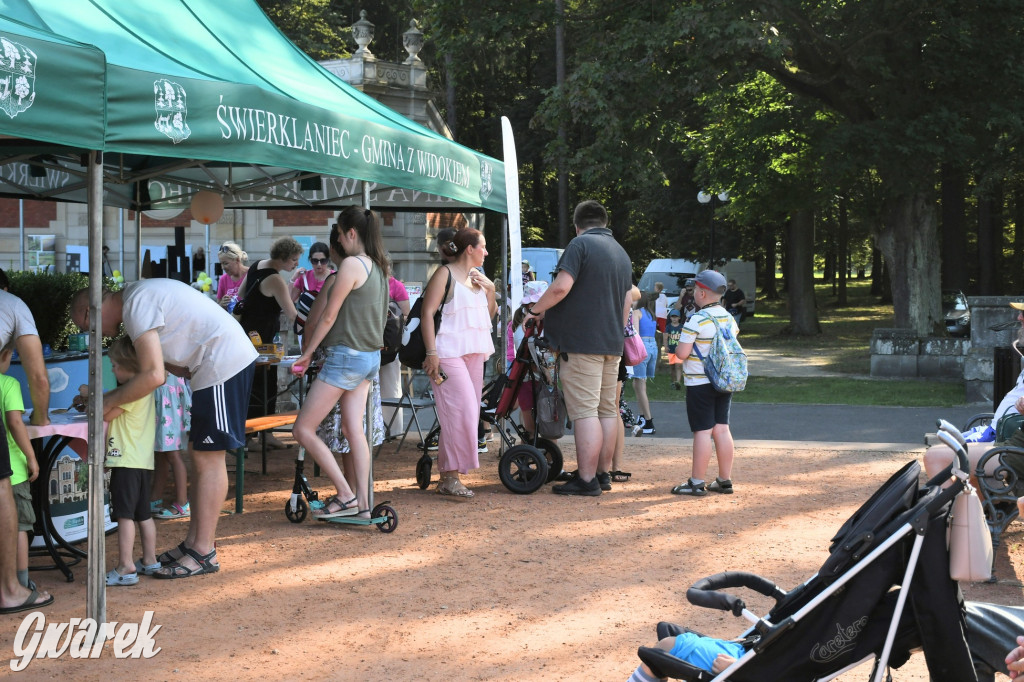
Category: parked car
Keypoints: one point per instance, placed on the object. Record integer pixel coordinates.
(956, 313)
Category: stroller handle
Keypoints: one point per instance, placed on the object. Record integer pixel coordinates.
(705, 591)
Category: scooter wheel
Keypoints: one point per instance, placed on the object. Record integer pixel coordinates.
(423, 467)
(523, 469)
(299, 514)
(390, 522)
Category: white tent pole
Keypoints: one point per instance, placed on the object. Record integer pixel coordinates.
(138, 245)
(96, 597)
(21, 231)
(120, 233)
(368, 413)
(206, 255)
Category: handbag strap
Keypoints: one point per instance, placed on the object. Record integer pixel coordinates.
(629, 330)
(447, 288)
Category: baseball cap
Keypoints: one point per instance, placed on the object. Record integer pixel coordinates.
(711, 280)
(532, 291)
(1017, 305)
(674, 312)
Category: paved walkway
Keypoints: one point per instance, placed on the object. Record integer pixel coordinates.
(858, 424)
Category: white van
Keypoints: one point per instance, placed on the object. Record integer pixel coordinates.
(673, 273)
(543, 261)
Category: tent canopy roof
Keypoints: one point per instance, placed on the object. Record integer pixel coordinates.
(186, 95)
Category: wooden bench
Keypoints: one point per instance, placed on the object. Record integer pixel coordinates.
(258, 425)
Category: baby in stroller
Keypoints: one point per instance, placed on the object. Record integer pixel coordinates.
(708, 653)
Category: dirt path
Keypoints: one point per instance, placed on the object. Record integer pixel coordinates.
(534, 587)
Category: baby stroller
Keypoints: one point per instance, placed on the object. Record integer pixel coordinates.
(536, 460)
(884, 590)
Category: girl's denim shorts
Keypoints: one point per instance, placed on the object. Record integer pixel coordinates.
(346, 368)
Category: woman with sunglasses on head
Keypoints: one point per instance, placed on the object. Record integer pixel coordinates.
(456, 353)
(233, 262)
(351, 328)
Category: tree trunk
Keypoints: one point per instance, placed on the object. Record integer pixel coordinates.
(1017, 259)
(877, 266)
(986, 246)
(909, 240)
(954, 229)
(842, 251)
(769, 288)
(803, 315)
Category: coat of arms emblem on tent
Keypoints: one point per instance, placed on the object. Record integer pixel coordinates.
(485, 179)
(17, 77)
(171, 110)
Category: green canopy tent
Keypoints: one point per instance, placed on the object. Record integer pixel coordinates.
(208, 95)
(143, 105)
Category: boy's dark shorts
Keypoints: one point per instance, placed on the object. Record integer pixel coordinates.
(5, 454)
(129, 493)
(706, 407)
(23, 503)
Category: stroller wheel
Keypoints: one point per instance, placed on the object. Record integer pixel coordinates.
(390, 522)
(523, 469)
(423, 467)
(554, 456)
(299, 514)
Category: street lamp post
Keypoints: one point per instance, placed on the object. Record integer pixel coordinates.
(708, 198)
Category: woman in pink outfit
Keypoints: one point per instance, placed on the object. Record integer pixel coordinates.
(456, 353)
(233, 262)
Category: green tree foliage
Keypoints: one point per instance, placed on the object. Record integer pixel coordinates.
(323, 28)
(788, 104)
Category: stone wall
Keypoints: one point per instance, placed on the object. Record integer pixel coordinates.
(901, 353)
(979, 367)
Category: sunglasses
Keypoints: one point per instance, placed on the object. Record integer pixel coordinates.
(224, 249)
(318, 261)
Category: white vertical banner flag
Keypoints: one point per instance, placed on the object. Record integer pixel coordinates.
(515, 231)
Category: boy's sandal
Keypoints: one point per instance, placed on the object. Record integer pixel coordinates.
(147, 570)
(620, 476)
(350, 508)
(168, 557)
(177, 570)
(115, 579)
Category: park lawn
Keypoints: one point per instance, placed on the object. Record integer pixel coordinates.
(844, 343)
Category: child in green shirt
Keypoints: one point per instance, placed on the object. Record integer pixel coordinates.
(23, 460)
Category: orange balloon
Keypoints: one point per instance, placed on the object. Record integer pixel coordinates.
(207, 207)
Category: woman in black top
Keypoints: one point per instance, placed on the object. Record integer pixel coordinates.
(266, 294)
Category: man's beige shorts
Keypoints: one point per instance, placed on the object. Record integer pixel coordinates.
(589, 385)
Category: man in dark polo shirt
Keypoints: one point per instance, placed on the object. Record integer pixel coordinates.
(584, 311)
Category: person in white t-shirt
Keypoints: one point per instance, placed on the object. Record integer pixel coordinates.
(177, 329)
(18, 329)
(660, 313)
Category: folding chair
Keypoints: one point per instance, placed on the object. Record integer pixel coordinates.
(410, 401)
